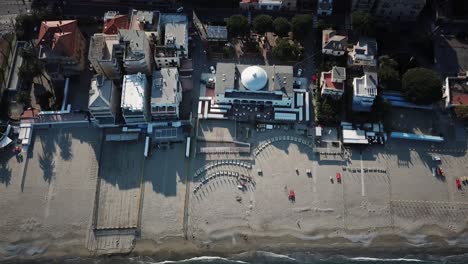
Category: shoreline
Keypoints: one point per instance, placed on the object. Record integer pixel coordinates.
(385, 245)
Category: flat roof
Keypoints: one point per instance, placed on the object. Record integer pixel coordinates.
(366, 85)
(458, 88)
(178, 31)
(228, 77)
(216, 32)
(136, 43)
(165, 86)
(133, 92)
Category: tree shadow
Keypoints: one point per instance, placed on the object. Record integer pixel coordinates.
(5, 172)
(47, 164)
(64, 142)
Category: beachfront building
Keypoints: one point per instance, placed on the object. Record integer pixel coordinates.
(364, 92)
(104, 100)
(105, 55)
(364, 53)
(175, 45)
(456, 91)
(134, 102)
(61, 48)
(332, 43)
(136, 51)
(113, 21)
(149, 22)
(111, 54)
(325, 7)
(332, 83)
(166, 94)
(270, 91)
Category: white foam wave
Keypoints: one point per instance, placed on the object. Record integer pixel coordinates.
(274, 255)
(203, 258)
(379, 259)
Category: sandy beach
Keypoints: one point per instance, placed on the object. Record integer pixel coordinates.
(49, 212)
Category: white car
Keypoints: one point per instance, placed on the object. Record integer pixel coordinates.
(299, 73)
(212, 69)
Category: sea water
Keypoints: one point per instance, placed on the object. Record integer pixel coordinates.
(261, 257)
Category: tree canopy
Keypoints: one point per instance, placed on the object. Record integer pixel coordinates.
(238, 25)
(363, 23)
(461, 112)
(422, 86)
(389, 78)
(262, 24)
(281, 26)
(286, 51)
(301, 25)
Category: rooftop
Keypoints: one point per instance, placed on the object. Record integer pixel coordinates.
(144, 20)
(100, 93)
(458, 90)
(271, 78)
(167, 18)
(216, 32)
(176, 34)
(133, 92)
(366, 85)
(59, 36)
(366, 46)
(136, 43)
(335, 78)
(101, 46)
(165, 86)
(113, 22)
(330, 40)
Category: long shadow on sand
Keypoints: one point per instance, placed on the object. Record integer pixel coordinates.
(5, 170)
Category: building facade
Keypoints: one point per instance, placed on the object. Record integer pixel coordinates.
(166, 94)
(134, 100)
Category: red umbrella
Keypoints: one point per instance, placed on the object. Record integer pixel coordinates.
(338, 177)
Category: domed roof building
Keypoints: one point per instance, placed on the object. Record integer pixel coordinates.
(258, 92)
(254, 78)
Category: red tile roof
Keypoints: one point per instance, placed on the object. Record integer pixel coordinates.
(329, 84)
(59, 35)
(460, 99)
(112, 26)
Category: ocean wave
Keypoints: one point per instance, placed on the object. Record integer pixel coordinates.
(386, 260)
(272, 255)
(203, 259)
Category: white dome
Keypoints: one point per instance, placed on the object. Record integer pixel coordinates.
(254, 78)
